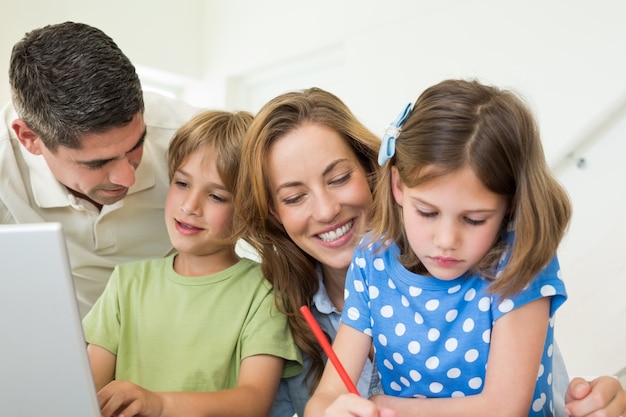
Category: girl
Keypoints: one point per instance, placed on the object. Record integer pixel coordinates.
(460, 268)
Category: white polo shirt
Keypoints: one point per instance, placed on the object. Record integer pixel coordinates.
(128, 230)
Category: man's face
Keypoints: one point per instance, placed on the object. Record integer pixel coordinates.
(104, 168)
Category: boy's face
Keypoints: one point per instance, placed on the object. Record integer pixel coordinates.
(198, 207)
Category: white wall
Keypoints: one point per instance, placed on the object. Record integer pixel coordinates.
(167, 35)
(566, 57)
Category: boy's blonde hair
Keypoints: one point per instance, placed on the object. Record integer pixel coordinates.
(220, 131)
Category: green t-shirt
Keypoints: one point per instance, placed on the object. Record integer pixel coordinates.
(176, 333)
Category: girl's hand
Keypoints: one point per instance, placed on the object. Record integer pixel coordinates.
(354, 406)
(125, 399)
(604, 396)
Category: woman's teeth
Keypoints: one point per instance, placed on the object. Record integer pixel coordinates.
(336, 234)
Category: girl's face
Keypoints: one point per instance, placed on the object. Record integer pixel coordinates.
(198, 207)
(320, 193)
(450, 222)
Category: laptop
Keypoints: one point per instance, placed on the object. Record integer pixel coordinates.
(44, 367)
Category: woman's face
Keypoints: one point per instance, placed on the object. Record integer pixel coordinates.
(320, 193)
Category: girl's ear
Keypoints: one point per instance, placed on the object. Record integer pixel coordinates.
(29, 139)
(396, 186)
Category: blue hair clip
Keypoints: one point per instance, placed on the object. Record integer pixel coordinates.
(388, 145)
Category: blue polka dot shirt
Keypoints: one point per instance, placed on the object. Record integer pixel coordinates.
(432, 337)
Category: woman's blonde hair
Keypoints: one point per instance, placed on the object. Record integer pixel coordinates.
(284, 264)
(459, 123)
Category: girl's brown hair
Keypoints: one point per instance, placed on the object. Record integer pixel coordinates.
(459, 123)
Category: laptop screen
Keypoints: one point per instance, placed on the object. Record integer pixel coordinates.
(44, 366)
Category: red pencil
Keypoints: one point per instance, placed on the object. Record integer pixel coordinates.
(319, 335)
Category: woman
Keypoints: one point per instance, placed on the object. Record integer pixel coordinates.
(307, 168)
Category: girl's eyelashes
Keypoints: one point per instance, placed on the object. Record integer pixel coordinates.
(474, 222)
(427, 214)
(468, 220)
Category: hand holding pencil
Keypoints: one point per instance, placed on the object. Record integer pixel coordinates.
(319, 335)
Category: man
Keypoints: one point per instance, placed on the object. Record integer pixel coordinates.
(79, 149)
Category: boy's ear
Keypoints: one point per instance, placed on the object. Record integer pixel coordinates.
(396, 186)
(29, 139)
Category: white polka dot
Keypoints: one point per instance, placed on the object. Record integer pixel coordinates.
(468, 325)
(550, 378)
(395, 386)
(388, 364)
(379, 264)
(382, 339)
(418, 318)
(451, 344)
(559, 274)
(435, 387)
(453, 373)
(405, 381)
(432, 362)
(454, 289)
(368, 332)
(469, 295)
(358, 286)
(404, 301)
(471, 355)
(386, 311)
(400, 329)
(415, 376)
(346, 293)
(414, 347)
(475, 383)
(550, 350)
(452, 315)
(457, 394)
(360, 262)
(484, 304)
(433, 335)
(506, 305)
(374, 292)
(419, 396)
(391, 284)
(487, 336)
(414, 291)
(353, 313)
(539, 403)
(541, 370)
(398, 358)
(548, 291)
(432, 305)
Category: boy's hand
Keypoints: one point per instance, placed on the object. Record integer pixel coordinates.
(125, 399)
